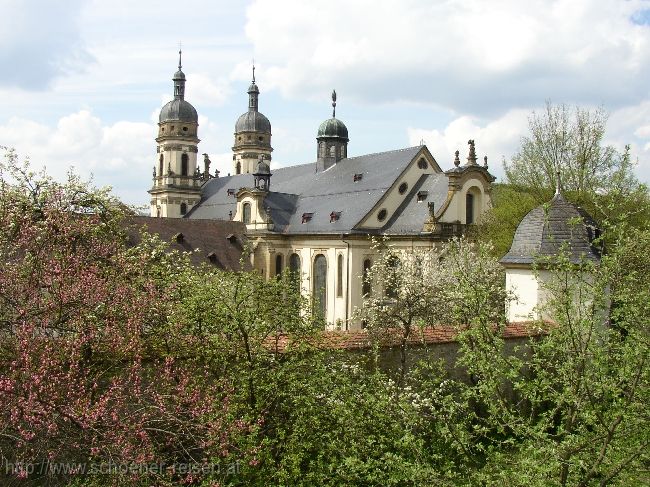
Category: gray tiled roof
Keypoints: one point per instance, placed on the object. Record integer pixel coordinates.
(547, 228)
(300, 189)
(411, 215)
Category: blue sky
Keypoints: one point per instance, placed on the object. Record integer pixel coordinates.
(83, 81)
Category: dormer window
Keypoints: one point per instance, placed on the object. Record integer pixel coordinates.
(358, 177)
(231, 192)
(422, 195)
(306, 217)
(334, 216)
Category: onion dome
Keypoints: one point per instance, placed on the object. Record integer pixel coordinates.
(178, 109)
(253, 120)
(333, 127)
(552, 228)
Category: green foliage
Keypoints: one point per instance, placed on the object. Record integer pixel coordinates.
(133, 355)
(568, 141)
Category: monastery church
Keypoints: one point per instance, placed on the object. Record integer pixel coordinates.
(315, 218)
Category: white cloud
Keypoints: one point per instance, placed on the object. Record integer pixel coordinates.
(119, 154)
(471, 57)
(39, 41)
(497, 139)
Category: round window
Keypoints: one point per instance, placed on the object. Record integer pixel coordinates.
(184, 129)
(422, 164)
(381, 216)
(402, 188)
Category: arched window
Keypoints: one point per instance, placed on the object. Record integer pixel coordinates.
(246, 213)
(339, 275)
(392, 281)
(162, 167)
(238, 168)
(320, 286)
(183, 208)
(333, 151)
(184, 165)
(278, 264)
(294, 268)
(469, 208)
(366, 288)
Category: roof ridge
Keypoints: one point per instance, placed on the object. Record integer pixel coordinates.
(383, 152)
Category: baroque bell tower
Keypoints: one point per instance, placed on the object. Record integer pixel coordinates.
(176, 176)
(252, 135)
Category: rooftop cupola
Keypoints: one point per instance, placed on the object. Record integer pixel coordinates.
(252, 135)
(332, 139)
(179, 80)
(178, 109)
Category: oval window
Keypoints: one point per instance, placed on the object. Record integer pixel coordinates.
(403, 187)
(381, 216)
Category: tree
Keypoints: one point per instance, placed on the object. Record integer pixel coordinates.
(568, 141)
(569, 408)
(453, 285)
(597, 177)
(83, 377)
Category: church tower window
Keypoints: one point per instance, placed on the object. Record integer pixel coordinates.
(161, 167)
(184, 161)
(183, 208)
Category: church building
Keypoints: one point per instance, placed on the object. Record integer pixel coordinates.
(316, 219)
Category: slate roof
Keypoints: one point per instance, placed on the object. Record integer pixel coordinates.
(412, 214)
(300, 189)
(549, 227)
(220, 243)
(178, 109)
(253, 121)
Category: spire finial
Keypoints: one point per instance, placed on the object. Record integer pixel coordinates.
(557, 183)
(253, 70)
(333, 103)
(471, 158)
(180, 54)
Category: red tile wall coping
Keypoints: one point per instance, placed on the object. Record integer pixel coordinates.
(357, 340)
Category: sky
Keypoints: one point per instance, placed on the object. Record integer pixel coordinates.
(83, 81)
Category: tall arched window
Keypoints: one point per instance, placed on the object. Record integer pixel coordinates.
(162, 167)
(246, 213)
(278, 265)
(320, 286)
(238, 168)
(392, 281)
(366, 288)
(184, 160)
(294, 268)
(183, 208)
(469, 208)
(339, 276)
